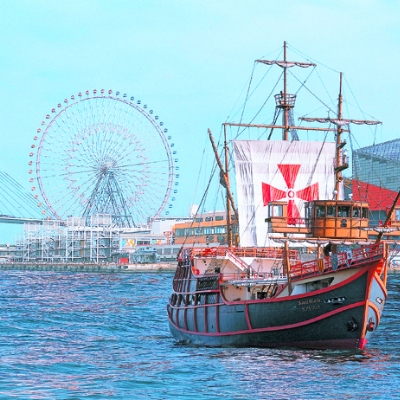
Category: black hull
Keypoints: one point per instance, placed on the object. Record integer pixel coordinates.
(317, 335)
(341, 316)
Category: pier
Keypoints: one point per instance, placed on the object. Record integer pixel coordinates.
(88, 267)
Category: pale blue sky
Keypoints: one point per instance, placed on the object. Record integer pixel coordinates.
(187, 59)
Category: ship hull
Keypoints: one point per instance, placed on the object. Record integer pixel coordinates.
(342, 316)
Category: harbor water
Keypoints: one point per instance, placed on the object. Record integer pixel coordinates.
(80, 335)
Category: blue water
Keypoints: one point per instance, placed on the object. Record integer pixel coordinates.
(105, 336)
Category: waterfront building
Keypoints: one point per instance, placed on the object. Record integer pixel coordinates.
(205, 229)
(376, 171)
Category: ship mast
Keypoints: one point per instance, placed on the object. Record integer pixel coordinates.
(224, 178)
(341, 161)
(228, 207)
(284, 100)
(285, 104)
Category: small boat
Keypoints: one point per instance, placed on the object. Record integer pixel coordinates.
(320, 283)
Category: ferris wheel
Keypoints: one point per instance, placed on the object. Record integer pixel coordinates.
(103, 153)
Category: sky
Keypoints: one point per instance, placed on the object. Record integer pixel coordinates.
(188, 59)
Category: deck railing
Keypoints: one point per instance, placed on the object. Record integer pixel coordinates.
(337, 261)
(346, 259)
(255, 252)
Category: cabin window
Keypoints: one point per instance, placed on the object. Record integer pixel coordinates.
(331, 211)
(209, 219)
(276, 210)
(199, 220)
(208, 230)
(198, 231)
(221, 239)
(219, 229)
(219, 218)
(179, 232)
(308, 211)
(356, 212)
(365, 212)
(343, 211)
(397, 214)
(320, 211)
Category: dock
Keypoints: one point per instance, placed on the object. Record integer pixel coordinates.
(88, 267)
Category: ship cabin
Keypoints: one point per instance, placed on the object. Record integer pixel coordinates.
(341, 219)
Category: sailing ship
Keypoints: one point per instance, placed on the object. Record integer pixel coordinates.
(291, 192)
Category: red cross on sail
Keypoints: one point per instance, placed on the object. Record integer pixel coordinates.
(289, 173)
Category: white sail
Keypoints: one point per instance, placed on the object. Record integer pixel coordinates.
(279, 170)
